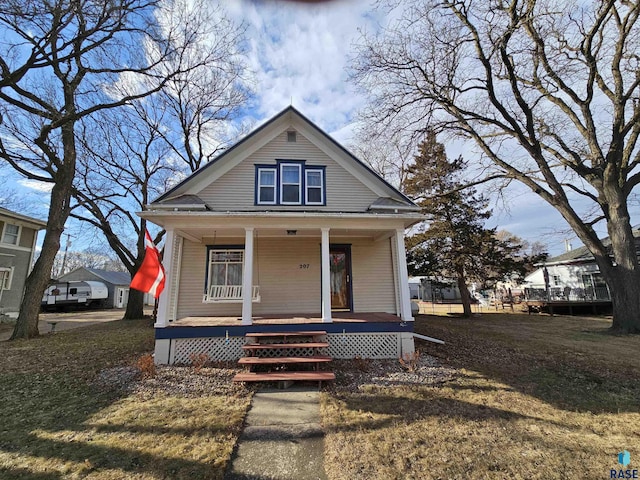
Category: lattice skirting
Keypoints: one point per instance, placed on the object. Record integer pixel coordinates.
(347, 345)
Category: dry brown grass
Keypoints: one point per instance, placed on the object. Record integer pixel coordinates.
(536, 397)
(58, 423)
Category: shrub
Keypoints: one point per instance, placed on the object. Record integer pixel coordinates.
(199, 360)
(147, 366)
(409, 361)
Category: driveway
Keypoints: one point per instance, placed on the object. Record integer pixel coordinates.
(68, 320)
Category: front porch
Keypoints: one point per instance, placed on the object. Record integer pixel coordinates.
(365, 335)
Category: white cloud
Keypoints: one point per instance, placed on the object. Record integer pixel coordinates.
(36, 185)
(299, 53)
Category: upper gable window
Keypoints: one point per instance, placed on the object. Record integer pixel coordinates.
(291, 137)
(11, 234)
(266, 186)
(314, 191)
(290, 182)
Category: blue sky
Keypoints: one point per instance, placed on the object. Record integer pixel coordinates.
(299, 53)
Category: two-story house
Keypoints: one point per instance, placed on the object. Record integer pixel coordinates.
(285, 230)
(18, 236)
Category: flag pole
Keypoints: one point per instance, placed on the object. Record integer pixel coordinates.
(154, 315)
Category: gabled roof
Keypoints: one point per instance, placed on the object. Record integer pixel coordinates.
(115, 278)
(33, 222)
(181, 194)
(582, 254)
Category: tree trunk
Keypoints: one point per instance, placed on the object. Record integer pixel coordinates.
(625, 299)
(465, 296)
(27, 322)
(135, 305)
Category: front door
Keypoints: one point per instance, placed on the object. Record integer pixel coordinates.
(340, 258)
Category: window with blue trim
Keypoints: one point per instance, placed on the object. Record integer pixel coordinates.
(266, 186)
(290, 182)
(314, 187)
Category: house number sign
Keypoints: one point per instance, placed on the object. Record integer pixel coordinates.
(304, 266)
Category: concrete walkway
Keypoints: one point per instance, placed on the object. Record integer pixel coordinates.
(68, 321)
(282, 439)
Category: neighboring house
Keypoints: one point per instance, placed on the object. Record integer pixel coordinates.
(284, 231)
(431, 289)
(18, 236)
(117, 284)
(572, 276)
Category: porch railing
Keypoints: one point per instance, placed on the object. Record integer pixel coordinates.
(557, 294)
(229, 294)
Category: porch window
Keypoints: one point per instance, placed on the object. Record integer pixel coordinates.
(11, 234)
(290, 184)
(224, 276)
(314, 188)
(266, 186)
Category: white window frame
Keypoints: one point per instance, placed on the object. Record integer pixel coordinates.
(215, 293)
(319, 171)
(556, 280)
(282, 183)
(6, 277)
(17, 235)
(274, 186)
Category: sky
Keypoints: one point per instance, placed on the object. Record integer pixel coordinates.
(299, 54)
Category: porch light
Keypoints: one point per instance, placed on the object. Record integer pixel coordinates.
(292, 232)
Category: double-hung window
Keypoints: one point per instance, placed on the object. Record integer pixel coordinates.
(11, 234)
(290, 184)
(6, 275)
(224, 274)
(266, 186)
(314, 188)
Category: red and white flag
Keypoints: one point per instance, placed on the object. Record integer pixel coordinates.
(150, 277)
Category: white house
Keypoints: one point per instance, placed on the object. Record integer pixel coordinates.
(286, 230)
(572, 276)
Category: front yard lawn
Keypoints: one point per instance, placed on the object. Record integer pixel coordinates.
(534, 397)
(64, 415)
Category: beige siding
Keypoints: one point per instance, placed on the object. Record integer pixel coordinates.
(373, 288)
(235, 190)
(287, 285)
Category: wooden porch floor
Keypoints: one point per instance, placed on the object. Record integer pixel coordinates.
(283, 319)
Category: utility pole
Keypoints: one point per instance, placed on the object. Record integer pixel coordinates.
(64, 257)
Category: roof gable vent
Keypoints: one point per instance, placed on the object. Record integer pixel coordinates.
(291, 136)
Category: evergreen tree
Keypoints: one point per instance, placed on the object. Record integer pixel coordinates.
(456, 243)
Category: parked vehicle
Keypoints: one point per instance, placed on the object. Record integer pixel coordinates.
(87, 294)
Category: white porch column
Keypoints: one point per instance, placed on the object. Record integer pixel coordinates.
(162, 317)
(326, 277)
(403, 277)
(247, 278)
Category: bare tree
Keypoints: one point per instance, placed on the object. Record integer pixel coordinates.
(388, 153)
(549, 92)
(125, 164)
(60, 62)
(132, 154)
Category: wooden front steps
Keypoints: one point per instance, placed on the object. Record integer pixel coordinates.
(275, 346)
(283, 376)
(284, 357)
